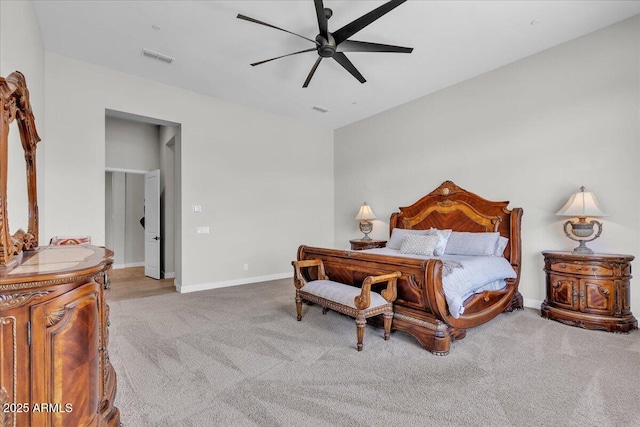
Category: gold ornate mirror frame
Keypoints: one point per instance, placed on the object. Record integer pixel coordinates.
(15, 105)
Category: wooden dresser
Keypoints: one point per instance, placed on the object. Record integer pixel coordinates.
(54, 366)
(589, 291)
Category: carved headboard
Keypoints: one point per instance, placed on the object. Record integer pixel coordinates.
(451, 207)
(15, 105)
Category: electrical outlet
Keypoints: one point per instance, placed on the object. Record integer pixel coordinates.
(203, 230)
(197, 208)
(246, 267)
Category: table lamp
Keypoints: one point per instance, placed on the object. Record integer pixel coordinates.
(582, 204)
(365, 215)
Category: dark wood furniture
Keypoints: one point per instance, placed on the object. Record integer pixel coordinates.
(354, 302)
(54, 364)
(360, 245)
(55, 368)
(421, 308)
(589, 291)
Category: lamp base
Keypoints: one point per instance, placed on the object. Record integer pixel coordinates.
(582, 249)
(366, 227)
(582, 229)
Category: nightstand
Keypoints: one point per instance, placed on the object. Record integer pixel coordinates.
(359, 244)
(589, 291)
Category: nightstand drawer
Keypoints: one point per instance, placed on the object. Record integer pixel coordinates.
(579, 268)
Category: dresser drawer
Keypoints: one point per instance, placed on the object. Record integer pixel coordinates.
(580, 268)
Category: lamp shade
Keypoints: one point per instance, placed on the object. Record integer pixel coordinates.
(582, 204)
(365, 213)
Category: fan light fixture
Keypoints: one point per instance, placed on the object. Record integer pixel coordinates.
(365, 215)
(582, 204)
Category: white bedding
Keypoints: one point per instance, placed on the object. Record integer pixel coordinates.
(464, 275)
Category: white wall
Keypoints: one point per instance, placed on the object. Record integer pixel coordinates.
(131, 145)
(531, 132)
(134, 210)
(115, 214)
(265, 183)
(167, 145)
(21, 49)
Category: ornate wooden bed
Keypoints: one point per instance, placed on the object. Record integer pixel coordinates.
(420, 308)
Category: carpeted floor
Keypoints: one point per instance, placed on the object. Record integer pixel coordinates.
(237, 357)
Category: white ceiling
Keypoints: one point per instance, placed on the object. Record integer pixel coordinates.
(452, 40)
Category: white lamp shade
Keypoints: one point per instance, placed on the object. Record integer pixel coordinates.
(365, 213)
(582, 204)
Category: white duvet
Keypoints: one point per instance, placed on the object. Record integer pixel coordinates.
(464, 275)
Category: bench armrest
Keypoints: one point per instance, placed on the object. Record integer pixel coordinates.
(298, 278)
(363, 300)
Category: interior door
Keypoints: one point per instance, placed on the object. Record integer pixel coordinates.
(152, 224)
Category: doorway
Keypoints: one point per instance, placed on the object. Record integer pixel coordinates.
(136, 145)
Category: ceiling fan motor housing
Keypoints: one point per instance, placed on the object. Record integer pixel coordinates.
(326, 47)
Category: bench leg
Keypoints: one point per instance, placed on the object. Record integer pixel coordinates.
(361, 321)
(298, 306)
(324, 310)
(388, 317)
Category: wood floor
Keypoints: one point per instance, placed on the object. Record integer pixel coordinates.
(129, 283)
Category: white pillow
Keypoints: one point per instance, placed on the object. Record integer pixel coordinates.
(398, 234)
(465, 243)
(501, 245)
(443, 238)
(418, 244)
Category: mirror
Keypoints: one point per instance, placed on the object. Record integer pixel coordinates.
(15, 106)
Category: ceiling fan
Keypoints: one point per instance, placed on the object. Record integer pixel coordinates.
(334, 44)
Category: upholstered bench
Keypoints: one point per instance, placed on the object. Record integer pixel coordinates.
(359, 303)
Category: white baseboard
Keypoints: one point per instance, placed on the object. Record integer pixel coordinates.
(133, 264)
(169, 275)
(245, 281)
(532, 303)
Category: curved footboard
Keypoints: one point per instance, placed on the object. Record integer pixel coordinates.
(480, 308)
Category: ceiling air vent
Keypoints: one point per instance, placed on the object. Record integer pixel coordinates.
(320, 109)
(157, 56)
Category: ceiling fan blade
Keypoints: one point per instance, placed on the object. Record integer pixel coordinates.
(313, 49)
(342, 59)
(313, 70)
(246, 18)
(353, 27)
(322, 18)
(356, 46)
